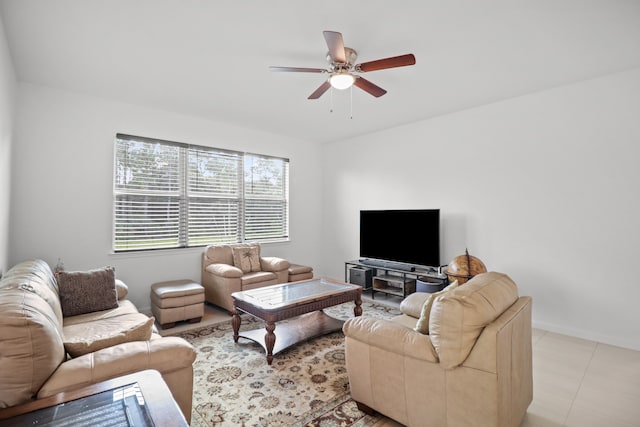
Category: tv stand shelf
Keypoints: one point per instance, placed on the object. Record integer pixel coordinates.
(393, 285)
(390, 281)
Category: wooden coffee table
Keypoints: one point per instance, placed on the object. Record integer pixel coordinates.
(301, 302)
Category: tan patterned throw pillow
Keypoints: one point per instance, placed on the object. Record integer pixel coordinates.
(422, 325)
(87, 291)
(246, 258)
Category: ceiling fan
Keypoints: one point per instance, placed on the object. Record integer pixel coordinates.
(343, 72)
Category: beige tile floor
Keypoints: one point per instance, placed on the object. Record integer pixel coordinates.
(576, 382)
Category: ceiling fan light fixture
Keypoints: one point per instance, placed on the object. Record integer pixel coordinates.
(344, 72)
(342, 81)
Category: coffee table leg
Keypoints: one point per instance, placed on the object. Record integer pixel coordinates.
(270, 340)
(357, 310)
(235, 322)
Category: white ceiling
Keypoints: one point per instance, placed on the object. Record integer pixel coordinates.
(210, 58)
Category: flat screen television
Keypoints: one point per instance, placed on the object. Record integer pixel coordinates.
(409, 236)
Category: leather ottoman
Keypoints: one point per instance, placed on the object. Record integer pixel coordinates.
(177, 300)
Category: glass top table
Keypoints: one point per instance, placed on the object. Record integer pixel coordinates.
(139, 399)
(291, 293)
(122, 406)
(301, 302)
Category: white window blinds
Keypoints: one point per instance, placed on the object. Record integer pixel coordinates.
(172, 195)
(266, 194)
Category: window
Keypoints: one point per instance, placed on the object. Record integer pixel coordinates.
(173, 195)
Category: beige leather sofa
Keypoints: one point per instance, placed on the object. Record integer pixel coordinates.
(472, 369)
(222, 274)
(33, 333)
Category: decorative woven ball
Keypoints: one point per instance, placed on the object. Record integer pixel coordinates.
(464, 267)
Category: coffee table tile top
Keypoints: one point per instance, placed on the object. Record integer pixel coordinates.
(279, 295)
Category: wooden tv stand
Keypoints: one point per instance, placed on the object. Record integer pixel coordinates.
(392, 281)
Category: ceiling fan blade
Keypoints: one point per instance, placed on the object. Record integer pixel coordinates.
(393, 62)
(336, 46)
(299, 69)
(322, 89)
(369, 87)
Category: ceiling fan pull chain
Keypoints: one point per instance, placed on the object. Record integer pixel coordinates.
(351, 102)
(331, 102)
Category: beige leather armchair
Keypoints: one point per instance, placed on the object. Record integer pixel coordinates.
(472, 369)
(239, 267)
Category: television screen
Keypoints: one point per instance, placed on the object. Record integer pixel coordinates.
(405, 236)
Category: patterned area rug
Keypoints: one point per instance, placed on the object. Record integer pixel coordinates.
(306, 385)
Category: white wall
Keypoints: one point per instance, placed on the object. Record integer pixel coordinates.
(542, 187)
(62, 184)
(7, 101)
